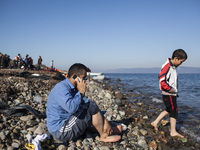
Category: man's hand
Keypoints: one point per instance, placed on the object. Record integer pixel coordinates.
(107, 128)
(81, 86)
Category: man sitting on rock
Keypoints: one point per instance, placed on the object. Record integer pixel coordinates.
(70, 113)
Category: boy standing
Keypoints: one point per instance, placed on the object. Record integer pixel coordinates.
(168, 85)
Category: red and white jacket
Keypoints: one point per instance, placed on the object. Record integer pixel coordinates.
(168, 78)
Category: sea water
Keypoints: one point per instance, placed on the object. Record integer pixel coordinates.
(188, 101)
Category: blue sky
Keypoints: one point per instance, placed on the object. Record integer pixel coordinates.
(102, 34)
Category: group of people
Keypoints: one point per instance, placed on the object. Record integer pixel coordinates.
(19, 63)
(70, 113)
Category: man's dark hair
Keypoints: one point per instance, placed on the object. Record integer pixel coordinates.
(180, 54)
(77, 68)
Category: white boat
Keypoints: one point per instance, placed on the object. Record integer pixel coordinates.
(96, 76)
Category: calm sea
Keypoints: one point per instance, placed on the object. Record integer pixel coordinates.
(188, 101)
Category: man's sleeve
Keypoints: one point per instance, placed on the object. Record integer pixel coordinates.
(85, 99)
(69, 103)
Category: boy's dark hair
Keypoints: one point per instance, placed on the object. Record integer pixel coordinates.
(77, 68)
(180, 54)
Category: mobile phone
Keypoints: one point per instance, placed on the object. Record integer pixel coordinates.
(76, 77)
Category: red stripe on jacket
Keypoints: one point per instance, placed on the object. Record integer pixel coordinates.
(164, 86)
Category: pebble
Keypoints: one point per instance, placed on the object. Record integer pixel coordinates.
(96, 148)
(164, 122)
(104, 148)
(78, 143)
(143, 131)
(10, 148)
(2, 136)
(15, 145)
(153, 145)
(184, 140)
(142, 142)
(63, 147)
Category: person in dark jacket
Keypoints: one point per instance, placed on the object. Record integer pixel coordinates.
(39, 63)
(2, 61)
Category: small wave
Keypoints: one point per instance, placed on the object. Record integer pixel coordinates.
(157, 100)
(192, 134)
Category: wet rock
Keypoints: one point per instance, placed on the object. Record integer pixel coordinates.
(26, 118)
(63, 147)
(96, 148)
(142, 142)
(119, 95)
(136, 132)
(164, 140)
(153, 145)
(118, 80)
(139, 103)
(118, 101)
(122, 113)
(10, 148)
(15, 145)
(136, 109)
(42, 128)
(145, 117)
(143, 131)
(162, 132)
(37, 99)
(1, 126)
(108, 95)
(132, 95)
(2, 136)
(184, 140)
(104, 148)
(101, 95)
(164, 122)
(78, 143)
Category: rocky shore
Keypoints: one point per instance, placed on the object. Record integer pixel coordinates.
(23, 97)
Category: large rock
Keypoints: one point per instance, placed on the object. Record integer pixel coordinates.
(119, 95)
(26, 118)
(42, 128)
(142, 142)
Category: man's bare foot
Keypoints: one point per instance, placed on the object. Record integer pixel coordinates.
(154, 125)
(176, 134)
(117, 129)
(113, 138)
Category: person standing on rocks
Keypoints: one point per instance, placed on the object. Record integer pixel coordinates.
(70, 113)
(19, 61)
(27, 62)
(168, 84)
(39, 63)
(2, 58)
(16, 61)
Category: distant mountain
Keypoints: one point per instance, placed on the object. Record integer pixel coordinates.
(180, 69)
(134, 70)
(183, 69)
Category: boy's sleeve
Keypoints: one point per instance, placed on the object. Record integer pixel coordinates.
(164, 86)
